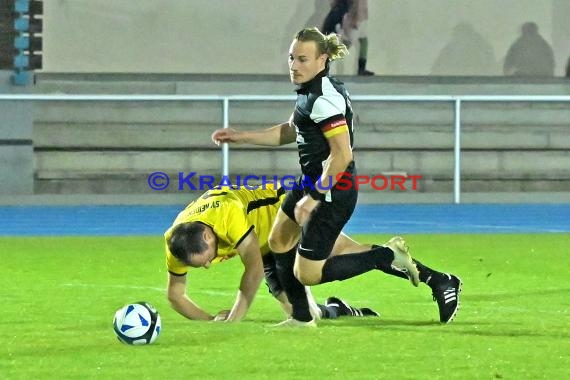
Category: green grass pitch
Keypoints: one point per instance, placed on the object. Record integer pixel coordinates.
(59, 296)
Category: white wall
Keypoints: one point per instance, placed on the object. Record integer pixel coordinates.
(252, 36)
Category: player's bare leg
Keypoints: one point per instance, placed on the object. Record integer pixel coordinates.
(285, 233)
(345, 244)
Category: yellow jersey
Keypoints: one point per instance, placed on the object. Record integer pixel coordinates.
(232, 214)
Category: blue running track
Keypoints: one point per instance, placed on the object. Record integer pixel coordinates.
(389, 219)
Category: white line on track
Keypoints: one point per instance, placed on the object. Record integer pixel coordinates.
(468, 226)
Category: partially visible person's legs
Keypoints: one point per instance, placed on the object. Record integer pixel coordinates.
(363, 49)
(341, 308)
(294, 289)
(445, 287)
(273, 279)
(283, 241)
(320, 233)
(334, 18)
(349, 258)
(393, 256)
(396, 259)
(314, 263)
(332, 309)
(317, 262)
(317, 311)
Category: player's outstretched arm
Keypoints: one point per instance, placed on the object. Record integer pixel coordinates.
(176, 291)
(280, 134)
(251, 278)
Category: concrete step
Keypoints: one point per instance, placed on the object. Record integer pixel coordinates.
(514, 114)
(128, 112)
(487, 137)
(474, 164)
(180, 135)
(270, 113)
(123, 135)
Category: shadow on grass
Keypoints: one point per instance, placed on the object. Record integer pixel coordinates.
(495, 329)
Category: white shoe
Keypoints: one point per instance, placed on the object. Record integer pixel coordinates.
(290, 322)
(402, 259)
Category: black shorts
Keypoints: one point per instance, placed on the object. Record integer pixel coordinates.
(271, 279)
(320, 233)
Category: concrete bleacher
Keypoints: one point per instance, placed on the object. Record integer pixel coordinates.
(92, 147)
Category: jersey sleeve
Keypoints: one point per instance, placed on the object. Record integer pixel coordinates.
(329, 110)
(173, 265)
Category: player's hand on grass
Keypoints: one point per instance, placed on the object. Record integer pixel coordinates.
(225, 135)
(222, 315)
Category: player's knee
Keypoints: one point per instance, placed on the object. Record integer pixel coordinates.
(278, 244)
(274, 244)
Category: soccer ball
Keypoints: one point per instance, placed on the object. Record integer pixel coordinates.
(137, 323)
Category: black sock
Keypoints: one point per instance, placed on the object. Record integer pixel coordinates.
(328, 312)
(426, 273)
(386, 267)
(294, 290)
(342, 267)
(361, 65)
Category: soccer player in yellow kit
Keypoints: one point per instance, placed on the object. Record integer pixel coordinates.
(224, 223)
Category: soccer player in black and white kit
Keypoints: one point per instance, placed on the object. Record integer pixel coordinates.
(314, 214)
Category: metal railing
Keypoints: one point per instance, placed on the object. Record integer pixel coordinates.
(457, 101)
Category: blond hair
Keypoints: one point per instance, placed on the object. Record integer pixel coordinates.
(329, 44)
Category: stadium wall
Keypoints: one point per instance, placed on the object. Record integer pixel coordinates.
(16, 145)
(206, 36)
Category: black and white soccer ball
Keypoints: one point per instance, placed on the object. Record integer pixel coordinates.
(137, 323)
